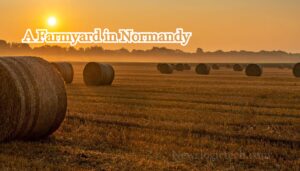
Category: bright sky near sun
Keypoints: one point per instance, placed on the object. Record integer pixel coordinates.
(52, 21)
(226, 25)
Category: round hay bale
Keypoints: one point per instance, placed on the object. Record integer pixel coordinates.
(165, 68)
(179, 67)
(203, 69)
(187, 67)
(228, 66)
(254, 70)
(296, 70)
(96, 74)
(237, 67)
(215, 67)
(173, 65)
(33, 98)
(281, 66)
(66, 70)
(158, 66)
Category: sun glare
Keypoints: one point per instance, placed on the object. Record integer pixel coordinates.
(52, 21)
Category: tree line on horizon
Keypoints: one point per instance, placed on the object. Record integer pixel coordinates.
(7, 48)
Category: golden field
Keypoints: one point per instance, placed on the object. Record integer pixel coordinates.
(183, 121)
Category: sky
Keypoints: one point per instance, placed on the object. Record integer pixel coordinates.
(216, 25)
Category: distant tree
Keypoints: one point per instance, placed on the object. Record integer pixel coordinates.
(3, 44)
(199, 51)
(123, 51)
(138, 52)
(94, 50)
(72, 51)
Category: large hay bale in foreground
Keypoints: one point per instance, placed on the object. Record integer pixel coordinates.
(165, 68)
(32, 96)
(96, 74)
(254, 70)
(296, 70)
(66, 70)
(215, 67)
(238, 67)
(203, 69)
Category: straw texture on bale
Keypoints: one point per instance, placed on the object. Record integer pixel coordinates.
(215, 67)
(203, 69)
(187, 67)
(238, 67)
(179, 67)
(165, 68)
(32, 96)
(254, 70)
(296, 70)
(97, 74)
(66, 70)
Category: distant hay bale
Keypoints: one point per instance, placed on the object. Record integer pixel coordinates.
(228, 66)
(238, 67)
(173, 65)
(203, 69)
(165, 68)
(296, 70)
(254, 70)
(96, 74)
(179, 67)
(215, 67)
(281, 66)
(32, 96)
(187, 67)
(66, 70)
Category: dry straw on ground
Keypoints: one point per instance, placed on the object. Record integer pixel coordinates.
(32, 96)
(96, 74)
(238, 67)
(165, 68)
(203, 69)
(66, 70)
(254, 70)
(151, 121)
(296, 70)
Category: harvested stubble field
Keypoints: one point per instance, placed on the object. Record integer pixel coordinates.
(182, 121)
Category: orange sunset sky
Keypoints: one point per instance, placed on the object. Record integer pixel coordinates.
(216, 24)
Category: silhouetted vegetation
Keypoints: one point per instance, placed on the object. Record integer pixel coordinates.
(7, 48)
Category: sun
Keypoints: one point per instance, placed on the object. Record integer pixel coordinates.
(52, 21)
